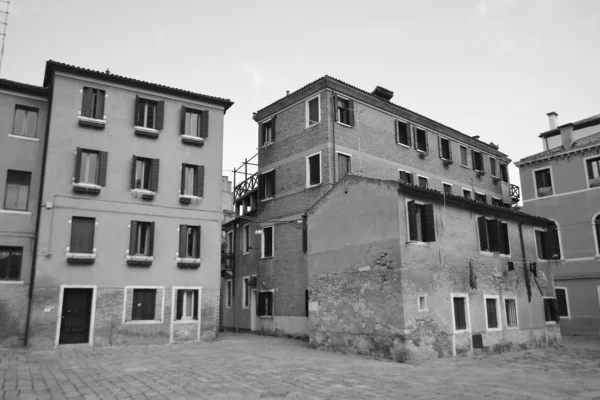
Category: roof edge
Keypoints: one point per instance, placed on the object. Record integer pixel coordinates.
(25, 88)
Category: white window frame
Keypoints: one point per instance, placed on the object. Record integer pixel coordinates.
(262, 241)
(496, 198)
(408, 172)
(175, 321)
(245, 281)
(416, 139)
(482, 161)
(587, 174)
(514, 298)
(449, 184)
(338, 116)
(308, 185)
(228, 293)
(337, 167)
(497, 166)
(273, 298)
(271, 141)
(594, 235)
(160, 290)
(566, 299)
(267, 198)
(467, 158)
(419, 297)
(467, 190)
(318, 97)
(245, 240)
(467, 313)
(535, 188)
(408, 241)
(449, 147)
(498, 315)
(544, 309)
(419, 183)
(479, 193)
(409, 133)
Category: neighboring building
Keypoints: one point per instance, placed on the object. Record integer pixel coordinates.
(131, 210)
(23, 110)
(312, 138)
(562, 183)
(227, 199)
(404, 272)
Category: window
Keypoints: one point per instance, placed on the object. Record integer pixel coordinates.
(467, 194)
(90, 167)
(93, 103)
(423, 182)
(149, 113)
(421, 140)
(562, 300)
(228, 293)
(141, 238)
(189, 241)
(480, 197)
(497, 202)
(445, 149)
(421, 222)
(267, 242)
(192, 180)
(265, 304)
(246, 238)
(245, 292)
(550, 309)
(597, 230)
(82, 235)
(345, 111)
(144, 303)
(403, 133)
(447, 188)
(548, 246)
(510, 306)
(343, 165)
(194, 122)
(313, 170)
(493, 235)
(477, 158)
(593, 168)
(503, 172)
(266, 134)
(492, 310)
(459, 304)
(25, 123)
(543, 182)
(145, 173)
(266, 185)
(422, 303)
(406, 177)
(16, 196)
(10, 263)
(464, 156)
(313, 112)
(493, 167)
(187, 304)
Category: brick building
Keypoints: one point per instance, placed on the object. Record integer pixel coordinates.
(23, 110)
(562, 183)
(310, 139)
(130, 212)
(404, 272)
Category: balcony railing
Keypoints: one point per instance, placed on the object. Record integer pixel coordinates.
(246, 187)
(515, 193)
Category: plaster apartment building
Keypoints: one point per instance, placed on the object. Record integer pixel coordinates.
(23, 111)
(562, 183)
(130, 216)
(308, 141)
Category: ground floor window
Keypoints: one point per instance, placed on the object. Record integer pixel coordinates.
(563, 301)
(550, 309)
(187, 304)
(491, 310)
(265, 304)
(144, 304)
(10, 263)
(511, 313)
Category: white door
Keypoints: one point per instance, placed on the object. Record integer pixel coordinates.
(253, 310)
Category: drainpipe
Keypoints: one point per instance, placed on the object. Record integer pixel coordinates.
(527, 284)
(333, 134)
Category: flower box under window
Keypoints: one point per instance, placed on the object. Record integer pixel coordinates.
(81, 258)
(139, 261)
(194, 140)
(91, 122)
(188, 263)
(89, 188)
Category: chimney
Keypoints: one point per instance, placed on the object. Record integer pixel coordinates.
(552, 120)
(566, 136)
(287, 92)
(382, 92)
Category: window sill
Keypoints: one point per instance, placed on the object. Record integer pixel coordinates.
(403, 145)
(265, 145)
(313, 124)
(314, 186)
(187, 199)
(447, 161)
(486, 253)
(465, 166)
(193, 140)
(188, 263)
(245, 307)
(143, 193)
(81, 258)
(18, 212)
(266, 316)
(146, 132)
(493, 329)
(266, 258)
(424, 310)
(267, 199)
(504, 255)
(88, 188)
(343, 124)
(143, 322)
(417, 243)
(186, 321)
(7, 282)
(31, 139)
(139, 261)
(462, 331)
(245, 253)
(422, 153)
(512, 328)
(92, 122)
(550, 323)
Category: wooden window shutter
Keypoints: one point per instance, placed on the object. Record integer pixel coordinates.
(414, 135)
(493, 234)
(77, 165)
(132, 173)
(403, 177)
(103, 165)
(483, 238)
(260, 310)
(137, 116)
(198, 244)
(196, 302)
(412, 220)
(428, 223)
(154, 172)
(182, 241)
(261, 185)
(273, 127)
(335, 105)
(351, 112)
(505, 238)
(440, 146)
(450, 148)
(133, 238)
(408, 134)
(204, 124)
(86, 103)
(501, 238)
(553, 245)
(473, 159)
(397, 124)
(555, 312)
(183, 166)
(273, 190)
(99, 112)
(179, 311)
(482, 161)
(160, 115)
(200, 180)
(151, 239)
(304, 236)
(182, 121)
(426, 141)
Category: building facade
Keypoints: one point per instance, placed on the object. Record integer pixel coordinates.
(130, 212)
(23, 113)
(312, 138)
(415, 274)
(561, 183)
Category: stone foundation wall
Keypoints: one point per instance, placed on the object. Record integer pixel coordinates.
(13, 313)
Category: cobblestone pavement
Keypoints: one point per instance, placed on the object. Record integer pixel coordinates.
(246, 366)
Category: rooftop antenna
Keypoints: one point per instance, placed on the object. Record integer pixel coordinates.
(3, 27)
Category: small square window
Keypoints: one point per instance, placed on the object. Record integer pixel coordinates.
(187, 304)
(447, 188)
(480, 197)
(421, 222)
(10, 263)
(25, 122)
(422, 303)
(406, 177)
(143, 305)
(423, 182)
(493, 235)
(467, 194)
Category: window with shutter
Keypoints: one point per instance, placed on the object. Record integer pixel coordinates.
(445, 150)
(402, 133)
(147, 113)
(421, 140)
(187, 304)
(313, 112)
(82, 235)
(267, 242)
(543, 183)
(510, 306)
(344, 111)
(313, 170)
(142, 237)
(460, 313)
(483, 236)
(10, 263)
(93, 103)
(188, 180)
(88, 167)
(192, 242)
(267, 185)
(142, 173)
(25, 121)
(143, 305)
(193, 122)
(266, 133)
(464, 156)
(16, 194)
(421, 222)
(491, 312)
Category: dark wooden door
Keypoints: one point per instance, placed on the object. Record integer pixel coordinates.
(76, 312)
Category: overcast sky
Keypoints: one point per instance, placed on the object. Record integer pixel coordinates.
(492, 68)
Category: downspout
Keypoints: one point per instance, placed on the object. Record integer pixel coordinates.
(39, 214)
(233, 262)
(333, 134)
(525, 271)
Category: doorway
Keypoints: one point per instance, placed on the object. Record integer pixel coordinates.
(76, 316)
(253, 310)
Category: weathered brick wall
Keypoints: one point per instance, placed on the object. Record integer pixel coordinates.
(13, 314)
